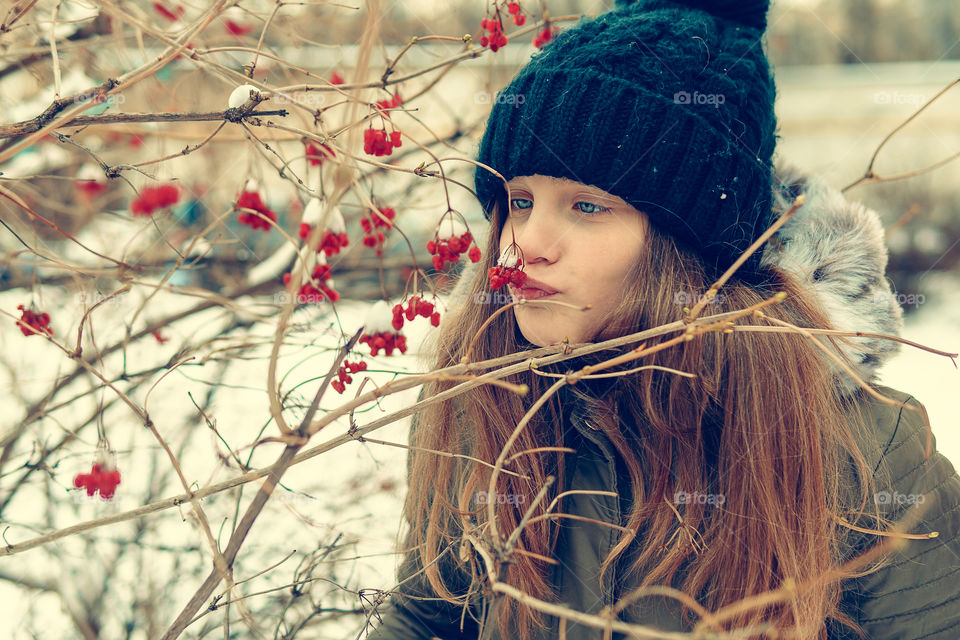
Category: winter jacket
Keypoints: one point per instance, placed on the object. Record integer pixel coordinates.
(836, 249)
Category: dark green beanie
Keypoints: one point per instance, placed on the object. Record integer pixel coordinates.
(664, 103)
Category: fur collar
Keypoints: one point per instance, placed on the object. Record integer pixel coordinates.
(836, 249)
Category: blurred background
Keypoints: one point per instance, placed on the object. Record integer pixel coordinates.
(849, 73)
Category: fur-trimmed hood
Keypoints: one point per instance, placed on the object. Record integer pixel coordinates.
(835, 248)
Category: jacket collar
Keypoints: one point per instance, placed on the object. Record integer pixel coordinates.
(835, 248)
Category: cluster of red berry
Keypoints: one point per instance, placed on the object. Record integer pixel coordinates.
(310, 292)
(390, 103)
(416, 306)
(386, 341)
(501, 275)
(377, 142)
(331, 242)
(373, 221)
(513, 8)
(545, 36)
(167, 13)
(343, 374)
(495, 39)
(317, 153)
(100, 478)
(90, 188)
(31, 323)
(446, 250)
(134, 140)
(238, 29)
(153, 198)
(252, 200)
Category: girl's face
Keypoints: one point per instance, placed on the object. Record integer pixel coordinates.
(578, 241)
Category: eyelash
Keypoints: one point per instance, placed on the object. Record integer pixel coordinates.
(599, 209)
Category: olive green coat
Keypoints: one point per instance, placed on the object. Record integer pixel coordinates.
(916, 597)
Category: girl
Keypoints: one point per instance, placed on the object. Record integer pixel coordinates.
(633, 172)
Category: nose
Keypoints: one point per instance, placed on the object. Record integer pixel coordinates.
(537, 233)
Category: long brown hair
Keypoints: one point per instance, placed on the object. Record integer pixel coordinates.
(761, 424)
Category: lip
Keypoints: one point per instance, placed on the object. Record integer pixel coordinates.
(533, 290)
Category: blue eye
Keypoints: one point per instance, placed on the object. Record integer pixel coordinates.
(513, 206)
(596, 208)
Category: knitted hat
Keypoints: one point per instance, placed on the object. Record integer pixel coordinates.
(667, 104)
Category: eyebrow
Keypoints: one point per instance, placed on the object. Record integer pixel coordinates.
(585, 189)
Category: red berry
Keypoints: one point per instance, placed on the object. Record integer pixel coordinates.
(474, 254)
(435, 318)
(519, 20)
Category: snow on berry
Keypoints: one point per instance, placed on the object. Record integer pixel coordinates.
(334, 236)
(241, 95)
(507, 270)
(450, 240)
(250, 199)
(32, 323)
(152, 198)
(378, 331)
(318, 287)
